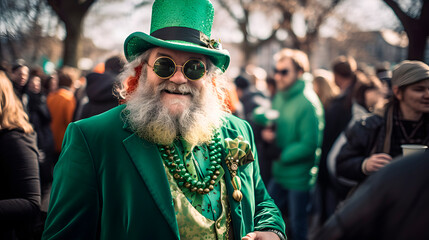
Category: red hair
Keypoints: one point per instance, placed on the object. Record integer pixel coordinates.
(132, 82)
(223, 96)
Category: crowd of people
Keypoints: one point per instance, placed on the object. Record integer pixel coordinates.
(364, 121)
(162, 145)
(36, 109)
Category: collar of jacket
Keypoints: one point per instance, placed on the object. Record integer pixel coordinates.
(297, 87)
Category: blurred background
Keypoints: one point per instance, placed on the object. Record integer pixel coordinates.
(83, 33)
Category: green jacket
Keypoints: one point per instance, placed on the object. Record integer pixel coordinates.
(111, 184)
(299, 135)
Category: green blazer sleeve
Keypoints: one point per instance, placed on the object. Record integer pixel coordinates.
(258, 210)
(109, 184)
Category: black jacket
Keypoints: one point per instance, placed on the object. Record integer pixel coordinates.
(390, 204)
(19, 184)
(40, 118)
(366, 136)
(337, 117)
(99, 90)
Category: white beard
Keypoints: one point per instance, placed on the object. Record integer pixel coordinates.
(151, 120)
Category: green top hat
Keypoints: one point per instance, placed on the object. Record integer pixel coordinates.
(183, 25)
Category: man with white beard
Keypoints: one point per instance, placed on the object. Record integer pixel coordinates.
(170, 162)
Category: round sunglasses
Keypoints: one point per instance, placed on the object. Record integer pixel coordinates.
(282, 72)
(165, 67)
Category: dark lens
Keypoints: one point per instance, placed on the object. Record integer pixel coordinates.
(164, 67)
(283, 72)
(194, 69)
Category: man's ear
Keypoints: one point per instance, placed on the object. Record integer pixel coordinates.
(397, 92)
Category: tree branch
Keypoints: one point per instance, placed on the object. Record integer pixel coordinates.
(228, 9)
(424, 16)
(86, 5)
(56, 6)
(142, 4)
(320, 19)
(406, 20)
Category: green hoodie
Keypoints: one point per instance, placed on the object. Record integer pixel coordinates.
(299, 135)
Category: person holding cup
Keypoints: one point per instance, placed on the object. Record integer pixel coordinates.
(374, 141)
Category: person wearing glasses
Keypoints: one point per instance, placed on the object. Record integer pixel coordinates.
(170, 162)
(298, 135)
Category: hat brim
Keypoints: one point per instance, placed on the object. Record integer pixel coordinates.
(138, 42)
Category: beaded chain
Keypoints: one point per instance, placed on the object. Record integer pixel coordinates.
(228, 226)
(181, 174)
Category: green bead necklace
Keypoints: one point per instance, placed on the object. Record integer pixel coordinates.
(181, 174)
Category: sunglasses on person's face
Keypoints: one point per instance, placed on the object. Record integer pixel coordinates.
(165, 67)
(282, 72)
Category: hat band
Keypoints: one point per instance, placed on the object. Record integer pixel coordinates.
(182, 34)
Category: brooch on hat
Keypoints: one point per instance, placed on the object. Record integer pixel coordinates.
(239, 154)
(210, 43)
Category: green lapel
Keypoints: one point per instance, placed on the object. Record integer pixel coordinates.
(235, 207)
(147, 160)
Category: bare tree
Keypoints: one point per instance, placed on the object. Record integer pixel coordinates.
(72, 13)
(414, 16)
(143, 3)
(16, 19)
(27, 26)
(314, 12)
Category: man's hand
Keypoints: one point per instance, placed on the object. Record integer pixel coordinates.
(261, 236)
(375, 162)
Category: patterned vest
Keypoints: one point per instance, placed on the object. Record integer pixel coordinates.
(192, 224)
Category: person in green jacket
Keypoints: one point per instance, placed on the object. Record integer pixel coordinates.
(298, 135)
(170, 162)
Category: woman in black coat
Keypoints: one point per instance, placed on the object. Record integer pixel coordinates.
(40, 118)
(373, 142)
(19, 169)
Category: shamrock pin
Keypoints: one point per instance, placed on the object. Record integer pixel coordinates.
(238, 154)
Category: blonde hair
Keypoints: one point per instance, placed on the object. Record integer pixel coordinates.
(298, 57)
(12, 114)
(325, 85)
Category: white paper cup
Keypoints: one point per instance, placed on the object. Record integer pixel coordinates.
(408, 149)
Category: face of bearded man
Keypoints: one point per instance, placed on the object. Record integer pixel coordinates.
(160, 110)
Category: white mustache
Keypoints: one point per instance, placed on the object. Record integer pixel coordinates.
(181, 89)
